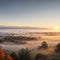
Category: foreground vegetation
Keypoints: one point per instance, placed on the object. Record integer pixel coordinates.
(26, 54)
(4, 55)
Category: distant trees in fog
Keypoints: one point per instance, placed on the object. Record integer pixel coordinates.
(17, 39)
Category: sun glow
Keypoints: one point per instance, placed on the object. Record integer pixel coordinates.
(56, 28)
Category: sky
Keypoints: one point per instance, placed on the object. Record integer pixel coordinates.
(35, 13)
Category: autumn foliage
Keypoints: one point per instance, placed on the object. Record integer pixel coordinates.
(4, 55)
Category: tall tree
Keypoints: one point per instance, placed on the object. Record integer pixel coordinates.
(57, 50)
(24, 54)
(40, 57)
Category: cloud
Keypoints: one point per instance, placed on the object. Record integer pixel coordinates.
(22, 27)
